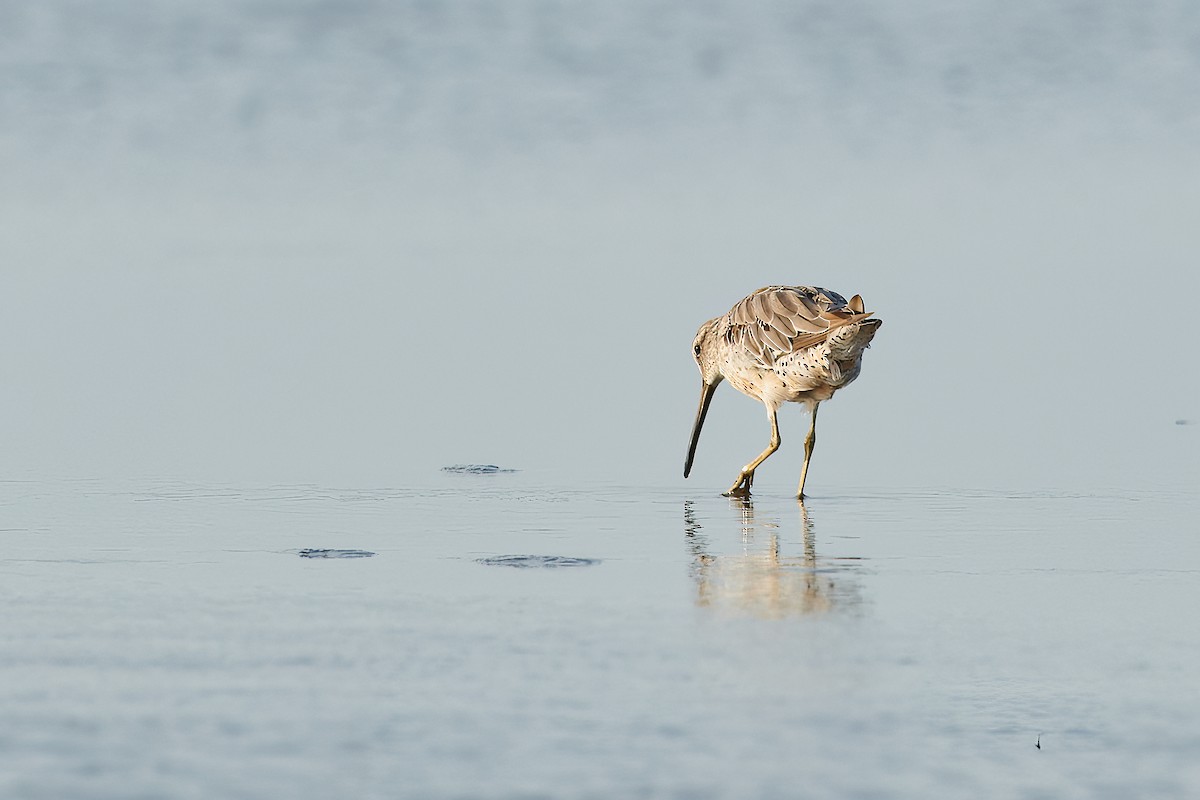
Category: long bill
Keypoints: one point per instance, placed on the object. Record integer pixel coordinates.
(706, 396)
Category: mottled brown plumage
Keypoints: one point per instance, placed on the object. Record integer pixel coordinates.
(796, 344)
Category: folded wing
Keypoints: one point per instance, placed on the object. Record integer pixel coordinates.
(777, 320)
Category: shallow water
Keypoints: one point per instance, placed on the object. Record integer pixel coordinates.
(164, 640)
(285, 253)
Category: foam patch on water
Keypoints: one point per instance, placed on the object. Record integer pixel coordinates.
(311, 552)
(538, 561)
(476, 469)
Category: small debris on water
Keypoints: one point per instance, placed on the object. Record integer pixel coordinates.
(476, 469)
(538, 561)
(310, 552)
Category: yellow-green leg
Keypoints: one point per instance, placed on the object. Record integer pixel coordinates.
(809, 440)
(741, 487)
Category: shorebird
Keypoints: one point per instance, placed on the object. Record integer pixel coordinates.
(797, 344)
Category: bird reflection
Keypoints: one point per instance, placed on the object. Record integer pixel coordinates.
(758, 581)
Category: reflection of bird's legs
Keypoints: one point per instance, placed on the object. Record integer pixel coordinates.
(814, 598)
(741, 487)
(809, 440)
(745, 506)
(810, 545)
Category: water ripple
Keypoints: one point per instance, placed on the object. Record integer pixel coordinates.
(538, 561)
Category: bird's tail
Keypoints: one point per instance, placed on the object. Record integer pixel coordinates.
(848, 341)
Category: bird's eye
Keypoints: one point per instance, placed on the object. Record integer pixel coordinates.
(696, 349)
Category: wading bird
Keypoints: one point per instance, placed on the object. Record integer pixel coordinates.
(796, 344)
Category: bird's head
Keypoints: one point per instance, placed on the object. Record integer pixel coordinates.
(705, 353)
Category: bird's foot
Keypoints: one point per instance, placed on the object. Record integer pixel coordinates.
(741, 487)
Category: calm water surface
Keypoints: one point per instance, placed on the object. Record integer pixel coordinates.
(167, 640)
(320, 242)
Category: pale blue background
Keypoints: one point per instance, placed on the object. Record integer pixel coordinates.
(315, 241)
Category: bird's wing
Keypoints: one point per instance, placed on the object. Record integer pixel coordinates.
(778, 320)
